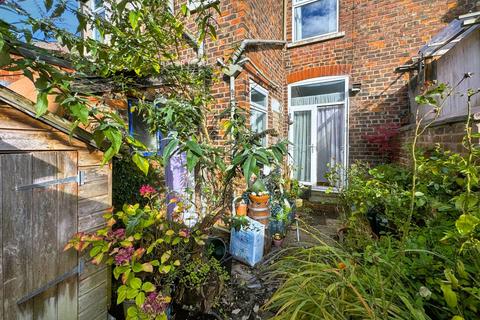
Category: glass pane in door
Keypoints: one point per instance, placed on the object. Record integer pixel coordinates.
(302, 141)
(330, 141)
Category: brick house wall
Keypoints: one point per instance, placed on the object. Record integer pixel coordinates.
(375, 37)
(378, 37)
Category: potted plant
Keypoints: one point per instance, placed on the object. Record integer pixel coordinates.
(258, 195)
(278, 240)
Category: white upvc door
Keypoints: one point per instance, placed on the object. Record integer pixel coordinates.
(319, 135)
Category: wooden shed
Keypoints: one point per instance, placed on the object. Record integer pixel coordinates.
(51, 186)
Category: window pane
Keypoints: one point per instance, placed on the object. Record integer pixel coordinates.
(318, 93)
(258, 98)
(142, 133)
(97, 4)
(315, 18)
(302, 121)
(258, 122)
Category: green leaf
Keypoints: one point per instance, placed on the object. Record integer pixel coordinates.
(248, 167)
(141, 163)
(135, 283)
(449, 295)
(48, 4)
(140, 299)
(41, 106)
(466, 223)
(131, 293)
(133, 17)
(165, 256)
(132, 312)
(80, 111)
(194, 147)
(192, 160)
(148, 287)
(121, 294)
(137, 267)
(170, 148)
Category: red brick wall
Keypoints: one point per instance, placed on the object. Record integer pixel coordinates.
(380, 35)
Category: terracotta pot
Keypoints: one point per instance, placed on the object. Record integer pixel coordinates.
(241, 210)
(259, 201)
(260, 214)
(277, 242)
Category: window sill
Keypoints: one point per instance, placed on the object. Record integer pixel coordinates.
(322, 38)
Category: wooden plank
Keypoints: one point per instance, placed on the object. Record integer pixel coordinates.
(96, 173)
(89, 206)
(44, 234)
(97, 310)
(1, 240)
(89, 157)
(94, 189)
(92, 299)
(88, 284)
(11, 118)
(90, 269)
(67, 211)
(89, 223)
(16, 224)
(15, 140)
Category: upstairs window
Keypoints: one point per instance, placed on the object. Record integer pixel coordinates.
(194, 5)
(312, 18)
(98, 9)
(258, 109)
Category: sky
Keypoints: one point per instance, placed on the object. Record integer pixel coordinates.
(318, 17)
(37, 8)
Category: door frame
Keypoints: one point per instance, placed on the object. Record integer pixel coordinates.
(311, 108)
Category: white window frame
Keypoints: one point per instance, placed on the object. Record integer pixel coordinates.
(301, 3)
(292, 109)
(194, 5)
(96, 11)
(256, 106)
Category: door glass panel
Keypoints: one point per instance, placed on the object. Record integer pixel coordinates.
(302, 140)
(318, 93)
(330, 141)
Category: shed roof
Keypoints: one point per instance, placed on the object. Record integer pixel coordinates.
(26, 106)
(455, 32)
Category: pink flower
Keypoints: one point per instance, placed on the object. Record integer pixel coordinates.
(146, 190)
(117, 234)
(155, 304)
(124, 255)
(185, 233)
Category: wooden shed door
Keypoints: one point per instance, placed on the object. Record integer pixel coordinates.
(35, 225)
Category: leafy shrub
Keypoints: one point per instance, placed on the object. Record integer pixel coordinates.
(395, 263)
(127, 179)
(327, 282)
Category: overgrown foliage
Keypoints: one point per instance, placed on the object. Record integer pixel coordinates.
(411, 250)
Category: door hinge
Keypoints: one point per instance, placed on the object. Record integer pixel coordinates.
(78, 269)
(79, 178)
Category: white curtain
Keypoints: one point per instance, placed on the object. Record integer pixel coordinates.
(318, 99)
(301, 145)
(298, 24)
(330, 140)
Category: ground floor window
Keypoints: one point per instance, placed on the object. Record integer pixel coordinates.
(258, 109)
(139, 129)
(318, 109)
